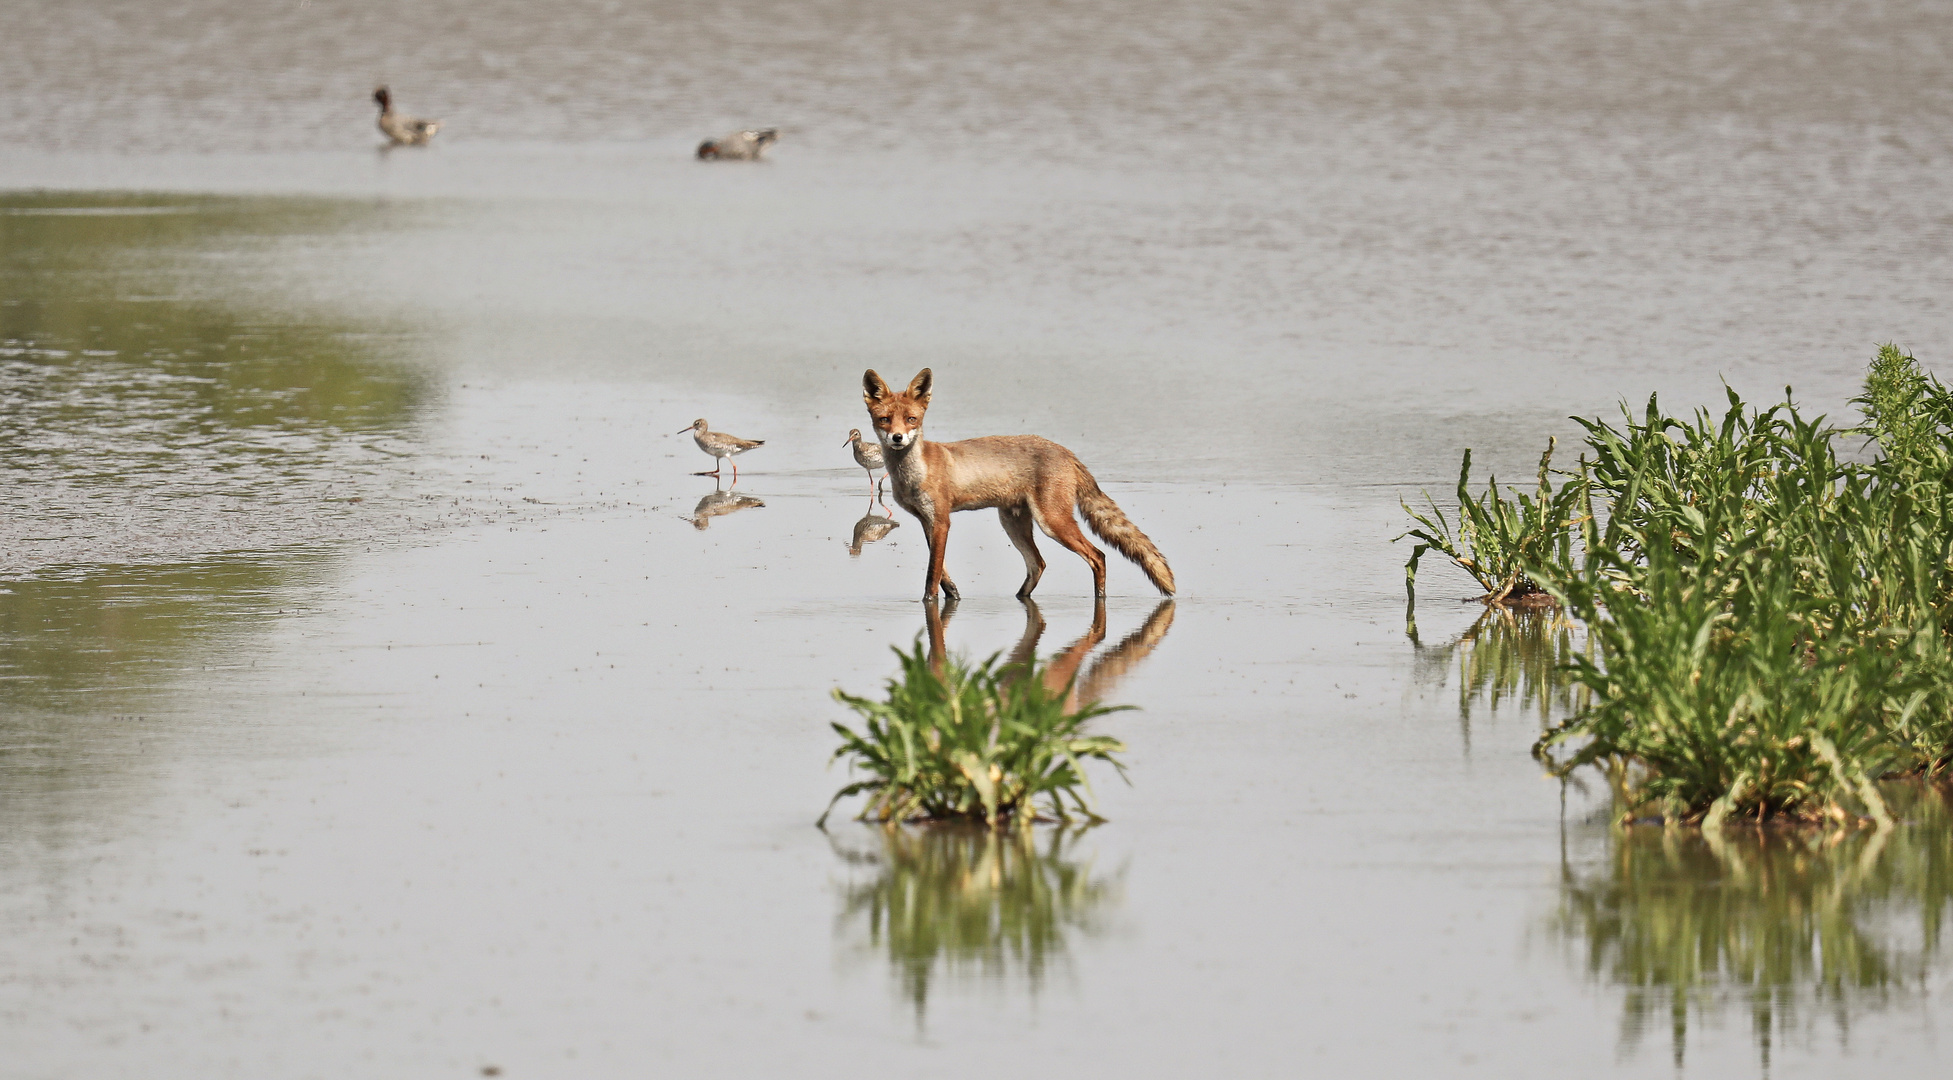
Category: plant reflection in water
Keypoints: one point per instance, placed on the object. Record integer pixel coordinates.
(956, 901)
(969, 903)
(1507, 657)
(1792, 926)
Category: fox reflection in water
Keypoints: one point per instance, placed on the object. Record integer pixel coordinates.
(968, 903)
(1793, 926)
(1098, 680)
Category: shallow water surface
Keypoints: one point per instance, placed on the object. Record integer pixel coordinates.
(381, 693)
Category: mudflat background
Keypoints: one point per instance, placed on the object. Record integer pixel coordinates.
(380, 694)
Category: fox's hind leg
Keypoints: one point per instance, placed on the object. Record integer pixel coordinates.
(1023, 535)
(1053, 515)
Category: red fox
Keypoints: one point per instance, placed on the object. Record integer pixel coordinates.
(1031, 481)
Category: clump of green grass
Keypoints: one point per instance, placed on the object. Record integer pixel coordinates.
(1903, 406)
(1717, 691)
(1497, 538)
(971, 743)
(1768, 613)
(1769, 619)
(1899, 577)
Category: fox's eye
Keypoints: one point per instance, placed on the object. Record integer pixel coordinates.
(911, 419)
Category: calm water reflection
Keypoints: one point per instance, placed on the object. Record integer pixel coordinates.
(871, 527)
(969, 904)
(142, 417)
(93, 666)
(96, 637)
(1795, 929)
(1506, 659)
(720, 502)
(180, 451)
(1067, 666)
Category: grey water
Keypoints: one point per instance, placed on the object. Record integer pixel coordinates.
(382, 695)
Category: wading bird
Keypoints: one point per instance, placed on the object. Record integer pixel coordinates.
(404, 130)
(868, 455)
(721, 446)
(738, 146)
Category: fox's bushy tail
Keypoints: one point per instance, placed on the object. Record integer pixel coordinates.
(1115, 528)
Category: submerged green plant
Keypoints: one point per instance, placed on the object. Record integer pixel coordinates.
(978, 743)
(1497, 539)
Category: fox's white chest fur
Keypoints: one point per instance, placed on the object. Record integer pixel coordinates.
(908, 478)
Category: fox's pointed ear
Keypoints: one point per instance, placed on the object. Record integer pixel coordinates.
(919, 386)
(873, 389)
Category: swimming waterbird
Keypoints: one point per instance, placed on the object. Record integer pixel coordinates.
(404, 130)
(739, 146)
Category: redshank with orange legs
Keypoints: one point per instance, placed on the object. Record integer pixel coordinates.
(721, 446)
(868, 455)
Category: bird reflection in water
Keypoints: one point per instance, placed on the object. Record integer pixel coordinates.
(720, 502)
(870, 528)
(968, 904)
(1793, 926)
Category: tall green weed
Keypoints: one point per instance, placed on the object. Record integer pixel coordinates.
(1768, 604)
(1497, 537)
(972, 743)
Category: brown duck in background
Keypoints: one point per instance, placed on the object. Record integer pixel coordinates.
(739, 146)
(404, 130)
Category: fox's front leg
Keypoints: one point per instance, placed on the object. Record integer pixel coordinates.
(938, 526)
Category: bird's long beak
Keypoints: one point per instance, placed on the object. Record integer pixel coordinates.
(847, 440)
(683, 430)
